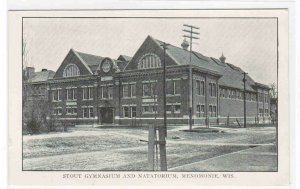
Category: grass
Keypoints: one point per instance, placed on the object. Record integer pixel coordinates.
(121, 149)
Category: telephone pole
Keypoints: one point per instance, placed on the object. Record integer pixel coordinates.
(163, 129)
(191, 36)
(244, 80)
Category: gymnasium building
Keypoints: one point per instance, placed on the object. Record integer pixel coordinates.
(94, 90)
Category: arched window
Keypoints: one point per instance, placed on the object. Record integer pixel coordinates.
(149, 61)
(71, 70)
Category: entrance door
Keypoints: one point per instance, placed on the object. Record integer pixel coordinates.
(106, 115)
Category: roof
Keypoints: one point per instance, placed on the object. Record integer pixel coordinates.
(41, 76)
(183, 57)
(94, 61)
(232, 76)
(124, 58)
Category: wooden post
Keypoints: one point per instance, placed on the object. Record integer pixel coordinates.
(151, 143)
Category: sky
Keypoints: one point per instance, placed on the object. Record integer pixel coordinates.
(248, 43)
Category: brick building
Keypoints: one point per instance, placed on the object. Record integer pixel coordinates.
(92, 90)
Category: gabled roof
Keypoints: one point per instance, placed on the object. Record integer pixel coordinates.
(94, 61)
(41, 76)
(184, 57)
(124, 58)
(232, 76)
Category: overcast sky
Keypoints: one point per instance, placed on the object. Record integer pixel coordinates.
(248, 43)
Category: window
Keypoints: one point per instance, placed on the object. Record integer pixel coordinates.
(149, 89)
(261, 112)
(169, 109)
(72, 110)
(149, 108)
(212, 111)
(129, 90)
(149, 61)
(173, 87)
(87, 93)
(56, 95)
(200, 110)
(107, 92)
(71, 70)
(200, 87)
(213, 89)
(57, 111)
(129, 111)
(71, 94)
(266, 112)
(88, 112)
(177, 108)
(266, 98)
(126, 111)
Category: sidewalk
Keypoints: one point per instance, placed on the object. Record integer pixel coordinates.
(262, 158)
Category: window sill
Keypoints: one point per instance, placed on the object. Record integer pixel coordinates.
(87, 99)
(134, 97)
(172, 95)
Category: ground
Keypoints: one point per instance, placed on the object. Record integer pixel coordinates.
(110, 149)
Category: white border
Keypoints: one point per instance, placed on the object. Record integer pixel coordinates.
(69, 4)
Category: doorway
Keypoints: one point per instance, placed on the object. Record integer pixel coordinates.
(106, 115)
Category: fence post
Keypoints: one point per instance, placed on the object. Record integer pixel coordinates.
(151, 142)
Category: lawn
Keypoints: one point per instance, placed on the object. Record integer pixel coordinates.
(124, 149)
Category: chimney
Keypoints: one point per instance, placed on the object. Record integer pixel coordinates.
(44, 70)
(30, 71)
(222, 58)
(185, 45)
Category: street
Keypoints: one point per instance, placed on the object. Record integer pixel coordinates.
(125, 149)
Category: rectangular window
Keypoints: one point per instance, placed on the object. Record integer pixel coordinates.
(198, 87)
(173, 87)
(177, 87)
(91, 112)
(266, 112)
(125, 90)
(176, 108)
(87, 93)
(213, 89)
(133, 111)
(146, 89)
(126, 111)
(210, 110)
(198, 111)
(170, 87)
(71, 94)
(129, 90)
(169, 109)
(56, 95)
(214, 111)
(149, 89)
(85, 113)
(71, 110)
(202, 88)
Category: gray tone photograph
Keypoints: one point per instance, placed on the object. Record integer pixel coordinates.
(150, 94)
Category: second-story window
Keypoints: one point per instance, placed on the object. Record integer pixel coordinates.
(173, 86)
(212, 89)
(71, 93)
(56, 95)
(149, 89)
(129, 90)
(87, 93)
(107, 92)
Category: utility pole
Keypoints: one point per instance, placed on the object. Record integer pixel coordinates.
(191, 36)
(244, 80)
(163, 129)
